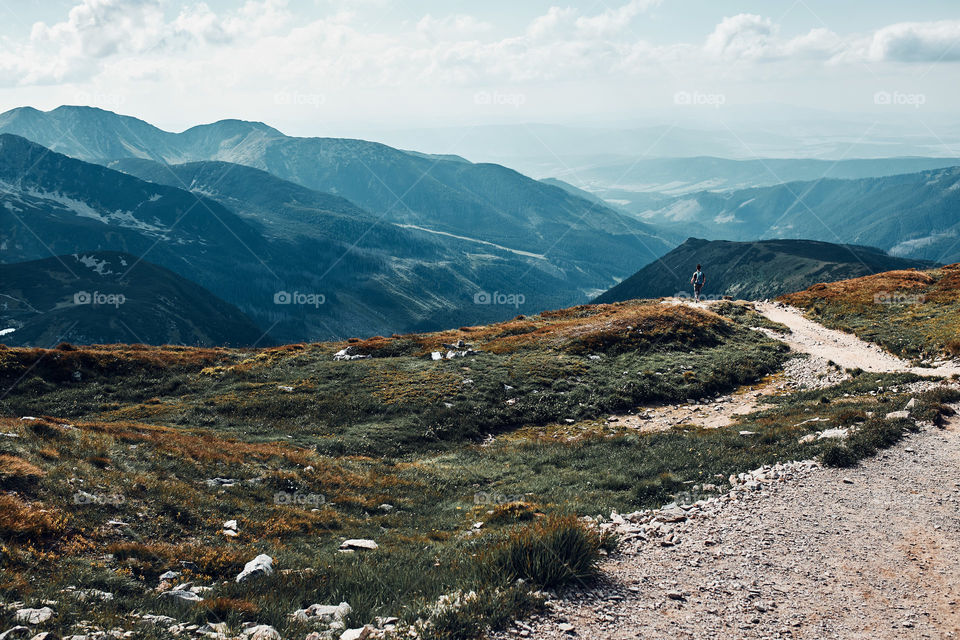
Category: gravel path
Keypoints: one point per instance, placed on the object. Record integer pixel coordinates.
(871, 552)
(845, 349)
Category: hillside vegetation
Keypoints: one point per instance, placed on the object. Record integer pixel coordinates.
(123, 462)
(915, 314)
(119, 463)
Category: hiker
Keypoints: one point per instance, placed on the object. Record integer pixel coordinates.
(697, 281)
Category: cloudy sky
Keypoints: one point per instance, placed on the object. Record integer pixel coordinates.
(346, 67)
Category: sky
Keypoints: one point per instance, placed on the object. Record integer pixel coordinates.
(349, 67)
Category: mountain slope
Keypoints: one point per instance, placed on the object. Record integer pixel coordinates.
(590, 244)
(107, 297)
(753, 270)
(371, 276)
(911, 215)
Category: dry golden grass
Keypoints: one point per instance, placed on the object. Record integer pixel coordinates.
(22, 521)
(17, 473)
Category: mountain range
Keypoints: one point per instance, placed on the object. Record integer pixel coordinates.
(910, 215)
(754, 270)
(371, 277)
(588, 244)
(106, 297)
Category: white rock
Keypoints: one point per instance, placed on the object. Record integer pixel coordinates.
(356, 634)
(325, 612)
(15, 632)
(262, 632)
(828, 434)
(170, 575)
(33, 616)
(181, 595)
(898, 415)
(262, 565)
(359, 544)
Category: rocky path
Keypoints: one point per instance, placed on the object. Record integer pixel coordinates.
(871, 552)
(847, 350)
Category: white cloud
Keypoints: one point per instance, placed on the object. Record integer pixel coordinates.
(742, 36)
(262, 43)
(917, 42)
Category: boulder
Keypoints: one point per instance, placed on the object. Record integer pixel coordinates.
(262, 632)
(325, 612)
(181, 595)
(898, 415)
(828, 434)
(260, 566)
(356, 634)
(358, 545)
(33, 616)
(15, 632)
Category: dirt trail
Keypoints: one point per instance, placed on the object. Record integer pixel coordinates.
(870, 552)
(847, 350)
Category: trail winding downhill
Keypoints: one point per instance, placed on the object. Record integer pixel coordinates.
(845, 349)
(865, 553)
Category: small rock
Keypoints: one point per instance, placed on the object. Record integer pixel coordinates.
(848, 481)
(33, 616)
(262, 632)
(262, 565)
(566, 627)
(181, 595)
(356, 634)
(358, 544)
(15, 632)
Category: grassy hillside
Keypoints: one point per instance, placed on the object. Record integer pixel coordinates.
(915, 314)
(753, 270)
(130, 469)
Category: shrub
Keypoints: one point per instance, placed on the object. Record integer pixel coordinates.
(550, 553)
(222, 608)
(19, 520)
(953, 348)
(17, 473)
(837, 455)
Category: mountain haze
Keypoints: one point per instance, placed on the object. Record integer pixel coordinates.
(911, 215)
